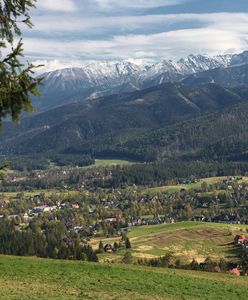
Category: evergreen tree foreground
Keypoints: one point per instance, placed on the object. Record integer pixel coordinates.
(17, 81)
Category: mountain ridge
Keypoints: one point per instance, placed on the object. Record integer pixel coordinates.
(77, 124)
(106, 78)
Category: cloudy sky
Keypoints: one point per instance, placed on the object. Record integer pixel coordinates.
(73, 32)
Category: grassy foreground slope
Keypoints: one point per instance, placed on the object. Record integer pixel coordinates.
(31, 278)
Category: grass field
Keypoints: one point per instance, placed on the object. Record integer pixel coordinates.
(187, 240)
(31, 278)
(110, 162)
(193, 186)
(13, 195)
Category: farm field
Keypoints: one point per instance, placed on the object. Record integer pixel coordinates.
(170, 188)
(191, 240)
(110, 162)
(193, 186)
(32, 278)
(47, 193)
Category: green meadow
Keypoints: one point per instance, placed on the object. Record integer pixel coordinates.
(192, 186)
(186, 240)
(110, 162)
(32, 278)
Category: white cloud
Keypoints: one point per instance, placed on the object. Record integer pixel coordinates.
(57, 5)
(172, 44)
(76, 24)
(111, 4)
(55, 24)
(219, 32)
(50, 65)
(61, 42)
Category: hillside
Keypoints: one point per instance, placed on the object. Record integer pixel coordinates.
(30, 278)
(222, 134)
(106, 78)
(92, 81)
(108, 123)
(229, 77)
(186, 240)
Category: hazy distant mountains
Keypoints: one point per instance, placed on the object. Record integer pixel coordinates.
(106, 78)
(194, 108)
(235, 76)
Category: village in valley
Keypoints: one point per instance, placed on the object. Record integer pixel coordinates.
(79, 208)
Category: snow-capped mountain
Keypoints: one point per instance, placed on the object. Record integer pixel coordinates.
(112, 73)
(239, 59)
(105, 78)
(101, 74)
(191, 64)
(165, 71)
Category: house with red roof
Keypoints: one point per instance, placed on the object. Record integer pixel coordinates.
(235, 271)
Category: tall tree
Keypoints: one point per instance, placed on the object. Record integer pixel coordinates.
(17, 81)
(101, 247)
(128, 243)
(3, 168)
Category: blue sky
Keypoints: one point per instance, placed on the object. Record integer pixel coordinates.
(74, 32)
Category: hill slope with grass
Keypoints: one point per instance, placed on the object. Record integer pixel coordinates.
(186, 240)
(31, 278)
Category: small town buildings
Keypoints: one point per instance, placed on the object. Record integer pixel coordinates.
(235, 271)
(241, 239)
(44, 208)
(75, 206)
(108, 248)
(6, 202)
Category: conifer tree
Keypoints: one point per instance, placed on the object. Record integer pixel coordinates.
(17, 81)
(127, 258)
(128, 243)
(101, 247)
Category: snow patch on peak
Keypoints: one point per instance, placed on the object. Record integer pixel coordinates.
(106, 77)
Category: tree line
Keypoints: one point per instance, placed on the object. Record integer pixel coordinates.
(49, 241)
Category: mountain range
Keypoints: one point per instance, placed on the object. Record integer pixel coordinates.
(193, 109)
(106, 78)
(95, 126)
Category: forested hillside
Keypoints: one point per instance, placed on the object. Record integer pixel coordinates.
(228, 77)
(144, 125)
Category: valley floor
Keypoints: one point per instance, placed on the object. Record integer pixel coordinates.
(32, 278)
